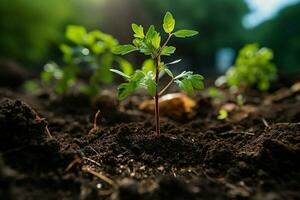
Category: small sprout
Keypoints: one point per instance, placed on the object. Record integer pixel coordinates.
(240, 100)
(222, 115)
(253, 68)
(150, 44)
(31, 86)
(215, 94)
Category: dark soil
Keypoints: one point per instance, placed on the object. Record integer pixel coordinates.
(197, 157)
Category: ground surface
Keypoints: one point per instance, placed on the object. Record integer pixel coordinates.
(255, 154)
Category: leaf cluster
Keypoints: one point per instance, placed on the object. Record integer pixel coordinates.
(253, 68)
(150, 44)
(85, 51)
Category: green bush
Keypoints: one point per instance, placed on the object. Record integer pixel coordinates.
(253, 68)
(91, 51)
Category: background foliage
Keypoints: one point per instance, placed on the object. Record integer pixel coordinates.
(31, 30)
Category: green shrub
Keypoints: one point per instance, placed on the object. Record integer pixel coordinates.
(85, 50)
(253, 68)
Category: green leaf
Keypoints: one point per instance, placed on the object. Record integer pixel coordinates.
(198, 77)
(124, 49)
(156, 41)
(223, 114)
(169, 72)
(138, 30)
(102, 73)
(174, 62)
(137, 42)
(148, 66)
(185, 85)
(168, 50)
(98, 48)
(150, 33)
(120, 73)
(185, 33)
(67, 80)
(31, 86)
(183, 74)
(125, 66)
(76, 34)
(137, 76)
(151, 87)
(51, 72)
(197, 84)
(197, 81)
(124, 90)
(67, 51)
(169, 23)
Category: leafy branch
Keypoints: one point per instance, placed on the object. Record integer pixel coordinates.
(150, 44)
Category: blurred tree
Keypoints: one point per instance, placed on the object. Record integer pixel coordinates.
(27, 27)
(282, 34)
(219, 23)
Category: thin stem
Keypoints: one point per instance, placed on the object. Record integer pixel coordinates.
(157, 66)
(165, 44)
(166, 87)
(157, 123)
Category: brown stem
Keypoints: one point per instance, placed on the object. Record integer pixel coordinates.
(165, 44)
(157, 123)
(166, 87)
(157, 66)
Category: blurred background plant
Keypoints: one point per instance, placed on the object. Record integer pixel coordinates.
(252, 68)
(87, 56)
(31, 31)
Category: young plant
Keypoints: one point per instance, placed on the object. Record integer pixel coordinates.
(150, 44)
(216, 94)
(253, 68)
(222, 115)
(240, 100)
(85, 51)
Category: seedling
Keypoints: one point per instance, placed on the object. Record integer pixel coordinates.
(253, 68)
(222, 115)
(85, 51)
(216, 94)
(240, 100)
(148, 77)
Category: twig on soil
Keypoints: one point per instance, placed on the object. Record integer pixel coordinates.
(94, 150)
(265, 123)
(174, 173)
(46, 127)
(77, 160)
(100, 176)
(105, 192)
(48, 132)
(92, 161)
(95, 126)
(249, 133)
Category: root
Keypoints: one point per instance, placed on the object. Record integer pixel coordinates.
(77, 160)
(92, 161)
(46, 127)
(265, 123)
(100, 176)
(48, 132)
(95, 126)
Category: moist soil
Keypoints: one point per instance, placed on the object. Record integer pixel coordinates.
(250, 155)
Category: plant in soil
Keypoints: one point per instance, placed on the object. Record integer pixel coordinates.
(150, 45)
(252, 68)
(85, 52)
